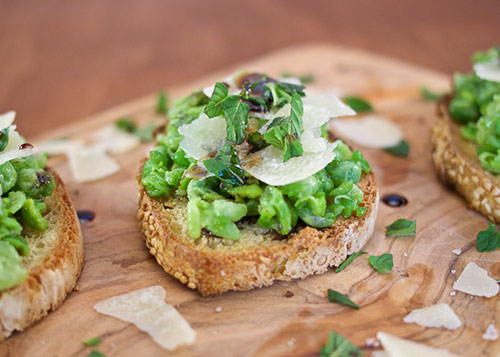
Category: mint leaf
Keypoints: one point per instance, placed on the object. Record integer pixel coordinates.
(226, 165)
(284, 133)
(348, 261)
(428, 95)
(94, 341)
(126, 124)
(339, 298)
(161, 103)
(4, 138)
(359, 105)
(236, 115)
(401, 227)
(215, 106)
(489, 239)
(339, 346)
(145, 134)
(96, 353)
(401, 149)
(381, 262)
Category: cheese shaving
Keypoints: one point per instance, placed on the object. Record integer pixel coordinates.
(7, 119)
(489, 71)
(13, 149)
(439, 315)
(91, 163)
(491, 333)
(57, 146)
(147, 309)
(116, 141)
(475, 281)
(203, 136)
(398, 347)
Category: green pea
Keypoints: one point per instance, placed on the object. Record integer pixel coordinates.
(342, 151)
(246, 191)
(276, 212)
(12, 271)
(231, 210)
(20, 244)
(31, 214)
(194, 218)
(35, 183)
(307, 186)
(9, 226)
(180, 158)
(174, 177)
(14, 201)
(8, 176)
(463, 108)
(346, 171)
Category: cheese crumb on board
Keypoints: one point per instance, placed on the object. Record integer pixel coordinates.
(91, 163)
(491, 333)
(370, 131)
(116, 141)
(147, 309)
(457, 251)
(372, 342)
(57, 146)
(398, 347)
(453, 293)
(475, 281)
(439, 315)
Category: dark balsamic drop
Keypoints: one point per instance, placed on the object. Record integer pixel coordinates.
(394, 200)
(85, 215)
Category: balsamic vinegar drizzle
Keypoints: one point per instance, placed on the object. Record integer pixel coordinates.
(394, 200)
(85, 215)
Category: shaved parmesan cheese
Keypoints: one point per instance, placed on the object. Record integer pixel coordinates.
(57, 146)
(203, 136)
(291, 80)
(398, 347)
(208, 91)
(475, 281)
(457, 251)
(328, 104)
(267, 165)
(91, 163)
(14, 154)
(13, 149)
(116, 141)
(489, 71)
(147, 309)
(439, 315)
(370, 131)
(312, 141)
(491, 333)
(7, 119)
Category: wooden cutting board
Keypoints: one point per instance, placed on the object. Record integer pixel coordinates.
(264, 322)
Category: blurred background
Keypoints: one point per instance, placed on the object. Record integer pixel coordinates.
(63, 60)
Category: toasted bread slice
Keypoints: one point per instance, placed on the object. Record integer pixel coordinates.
(54, 265)
(458, 165)
(215, 265)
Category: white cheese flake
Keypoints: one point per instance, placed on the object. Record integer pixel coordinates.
(491, 333)
(116, 141)
(57, 146)
(439, 315)
(475, 281)
(370, 131)
(203, 136)
(398, 347)
(453, 293)
(267, 165)
(7, 119)
(489, 71)
(146, 308)
(457, 251)
(91, 163)
(13, 149)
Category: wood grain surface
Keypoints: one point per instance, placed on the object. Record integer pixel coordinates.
(61, 61)
(264, 322)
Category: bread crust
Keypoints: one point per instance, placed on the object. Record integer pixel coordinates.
(246, 265)
(457, 164)
(51, 275)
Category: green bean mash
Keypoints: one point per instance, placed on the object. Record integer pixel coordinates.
(24, 185)
(476, 106)
(216, 202)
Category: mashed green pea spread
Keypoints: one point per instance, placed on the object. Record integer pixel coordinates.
(24, 184)
(254, 146)
(476, 106)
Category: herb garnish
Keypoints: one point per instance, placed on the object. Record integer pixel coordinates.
(305, 79)
(489, 239)
(236, 115)
(382, 262)
(226, 165)
(401, 149)
(359, 105)
(145, 134)
(429, 95)
(348, 261)
(339, 298)
(4, 138)
(96, 353)
(339, 346)
(94, 341)
(215, 106)
(162, 103)
(284, 133)
(401, 227)
(126, 124)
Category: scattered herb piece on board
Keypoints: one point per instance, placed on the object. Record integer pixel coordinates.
(401, 149)
(162, 103)
(489, 239)
(94, 341)
(339, 346)
(401, 227)
(348, 261)
(429, 95)
(96, 353)
(359, 105)
(339, 298)
(382, 262)
(145, 133)
(126, 124)
(305, 79)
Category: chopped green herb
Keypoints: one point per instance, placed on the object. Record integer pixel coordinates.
(305, 79)
(401, 227)
(226, 165)
(339, 298)
(401, 149)
(339, 346)
(348, 261)
(126, 124)
(236, 115)
(429, 95)
(359, 105)
(215, 106)
(489, 239)
(96, 353)
(4, 138)
(162, 103)
(145, 134)
(94, 341)
(381, 262)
